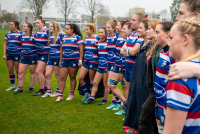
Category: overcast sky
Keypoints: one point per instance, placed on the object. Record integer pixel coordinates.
(117, 7)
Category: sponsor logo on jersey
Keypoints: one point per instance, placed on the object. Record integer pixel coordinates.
(68, 52)
(12, 47)
(110, 55)
(102, 61)
(88, 55)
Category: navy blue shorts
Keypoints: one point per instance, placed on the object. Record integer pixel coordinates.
(118, 70)
(102, 71)
(69, 63)
(14, 57)
(129, 71)
(90, 66)
(124, 71)
(28, 60)
(53, 61)
(111, 67)
(42, 57)
(159, 113)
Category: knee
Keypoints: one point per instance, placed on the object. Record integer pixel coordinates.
(47, 76)
(57, 75)
(105, 85)
(73, 78)
(62, 79)
(95, 84)
(80, 78)
(21, 73)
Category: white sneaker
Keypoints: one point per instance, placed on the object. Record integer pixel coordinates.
(16, 89)
(59, 99)
(70, 97)
(10, 88)
(54, 94)
(47, 95)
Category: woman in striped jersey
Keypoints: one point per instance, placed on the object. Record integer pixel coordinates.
(90, 60)
(11, 51)
(73, 48)
(28, 58)
(102, 69)
(182, 95)
(42, 48)
(117, 74)
(111, 44)
(55, 56)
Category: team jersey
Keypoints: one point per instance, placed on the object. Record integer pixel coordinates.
(118, 56)
(131, 41)
(41, 40)
(54, 51)
(184, 95)
(103, 54)
(90, 52)
(111, 44)
(162, 71)
(28, 45)
(14, 44)
(70, 47)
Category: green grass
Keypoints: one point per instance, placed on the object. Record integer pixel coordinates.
(24, 113)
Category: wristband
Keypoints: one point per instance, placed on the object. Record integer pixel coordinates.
(80, 60)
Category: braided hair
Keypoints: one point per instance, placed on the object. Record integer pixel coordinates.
(31, 30)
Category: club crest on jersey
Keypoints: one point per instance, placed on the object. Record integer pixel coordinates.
(164, 63)
(121, 42)
(72, 40)
(42, 35)
(113, 40)
(16, 36)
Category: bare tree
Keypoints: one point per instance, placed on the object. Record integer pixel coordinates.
(164, 15)
(103, 15)
(66, 7)
(91, 6)
(36, 6)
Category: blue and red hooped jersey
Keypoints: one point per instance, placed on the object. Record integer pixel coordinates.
(90, 51)
(54, 51)
(118, 56)
(162, 71)
(103, 54)
(28, 45)
(131, 41)
(70, 47)
(184, 95)
(111, 44)
(41, 40)
(14, 44)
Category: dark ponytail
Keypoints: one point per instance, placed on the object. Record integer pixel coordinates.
(76, 29)
(31, 30)
(16, 24)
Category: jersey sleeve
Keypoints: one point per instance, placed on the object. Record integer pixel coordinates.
(140, 40)
(6, 37)
(79, 40)
(178, 95)
(47, 32)
(61, 36)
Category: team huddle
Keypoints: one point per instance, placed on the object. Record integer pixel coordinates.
(156, 63)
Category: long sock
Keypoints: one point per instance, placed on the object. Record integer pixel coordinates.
(12, 79)
(117, 99)
(83, 86)
(71, 93)
(105, 99)
(125, 103)
(31, 87)
(60, 94)
(45, 88)
(91, 97)
(49, 91)
(114, 102)
(57, 90)
(91, 85)
(41, 90)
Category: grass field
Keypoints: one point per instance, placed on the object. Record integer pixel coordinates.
(24, 113)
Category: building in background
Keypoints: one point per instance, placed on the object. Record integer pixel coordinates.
(26, 17)
(3, 12)
(133, 11)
